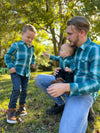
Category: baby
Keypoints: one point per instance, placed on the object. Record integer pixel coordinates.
(66, 64)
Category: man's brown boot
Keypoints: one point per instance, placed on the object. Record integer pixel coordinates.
(22, 110)
(10, 114)
(58, 80)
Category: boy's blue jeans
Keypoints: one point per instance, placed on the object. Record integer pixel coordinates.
(19, 89)
(75, 114)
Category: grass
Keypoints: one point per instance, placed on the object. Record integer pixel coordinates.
(37, 121)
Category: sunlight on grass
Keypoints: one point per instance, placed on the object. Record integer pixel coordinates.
(97, 124)
(5, 76)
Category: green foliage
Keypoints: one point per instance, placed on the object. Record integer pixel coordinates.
(49, 17)
(98, 42)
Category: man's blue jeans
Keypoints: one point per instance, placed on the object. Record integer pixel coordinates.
(19, 89)
(75, 114)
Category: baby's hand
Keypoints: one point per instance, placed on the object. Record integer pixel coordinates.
(67, 69)
(12, 70)
(33, 65)
(56, 71)
(46, 54)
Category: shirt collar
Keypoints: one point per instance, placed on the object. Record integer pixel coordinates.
(25, 43)
(84, 45)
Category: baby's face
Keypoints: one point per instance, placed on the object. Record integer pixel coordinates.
(64, 51)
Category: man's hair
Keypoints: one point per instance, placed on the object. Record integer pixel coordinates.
(80, 23)
(29, 27)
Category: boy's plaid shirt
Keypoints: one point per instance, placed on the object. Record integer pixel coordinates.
(20, 56)
(87, 70)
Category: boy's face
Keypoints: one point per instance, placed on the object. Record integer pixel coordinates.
(28, 37)
(64, 51)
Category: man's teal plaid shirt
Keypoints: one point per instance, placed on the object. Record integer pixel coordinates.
(20, 56)
(87, 70)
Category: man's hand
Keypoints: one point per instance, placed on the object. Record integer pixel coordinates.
(56, 71)
(46, 54)
(12, 70)
(58, 89)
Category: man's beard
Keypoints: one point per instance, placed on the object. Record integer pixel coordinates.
(75, 43)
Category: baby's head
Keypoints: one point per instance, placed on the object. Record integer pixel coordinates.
(66, 50)
(28, 33)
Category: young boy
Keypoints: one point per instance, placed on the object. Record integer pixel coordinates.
(66, 64)
(18, 60)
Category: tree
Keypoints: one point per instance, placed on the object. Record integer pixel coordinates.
(50, 16)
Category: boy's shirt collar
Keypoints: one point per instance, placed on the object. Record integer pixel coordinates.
(25, 43)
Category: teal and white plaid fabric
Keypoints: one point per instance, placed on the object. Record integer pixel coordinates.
(64, 62)
(20, 56)
(87, 70)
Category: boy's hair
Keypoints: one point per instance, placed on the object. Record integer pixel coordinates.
(80, 23)
(29, 27)
(71, 49)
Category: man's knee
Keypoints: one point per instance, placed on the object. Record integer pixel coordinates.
(37, 80)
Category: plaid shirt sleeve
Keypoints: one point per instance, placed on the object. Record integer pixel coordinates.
(8, 56)
(53, 57)
(90, 83)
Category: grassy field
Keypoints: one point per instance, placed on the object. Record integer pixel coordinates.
(37, 121)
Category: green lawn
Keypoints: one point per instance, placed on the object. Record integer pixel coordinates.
(37, 121)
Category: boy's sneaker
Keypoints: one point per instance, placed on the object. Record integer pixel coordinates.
(10, 114)
(22, 110)
(55, 109)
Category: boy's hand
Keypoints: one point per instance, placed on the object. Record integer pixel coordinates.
(67, 69)
(12, 70)
(33, 65)
(46, 54)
